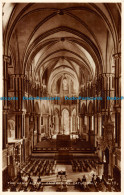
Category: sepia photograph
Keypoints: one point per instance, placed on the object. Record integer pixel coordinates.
(61, 96)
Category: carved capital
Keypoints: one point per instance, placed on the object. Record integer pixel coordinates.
(117, 56)
(7, 59)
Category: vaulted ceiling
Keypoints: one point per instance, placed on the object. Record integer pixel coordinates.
(47, 39)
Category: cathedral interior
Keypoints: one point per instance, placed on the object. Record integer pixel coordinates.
(51, 53)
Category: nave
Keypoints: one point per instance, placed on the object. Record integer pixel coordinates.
(61, 63)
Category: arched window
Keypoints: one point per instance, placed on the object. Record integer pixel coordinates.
(65, 121)
(65, 84)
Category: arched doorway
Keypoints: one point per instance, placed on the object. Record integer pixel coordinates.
(65, 121)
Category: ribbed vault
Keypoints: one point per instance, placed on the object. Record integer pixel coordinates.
(80, 37)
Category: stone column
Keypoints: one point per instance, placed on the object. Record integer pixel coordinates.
(92, 118)
(99, 135)
(110, 167)
(39, 128)
(19, 91)
(95, 130)
(99, 125)
(50, 128)
(20, 130)
(117, 58)
(19, 113)
(91, 130)
(48, 125)
(87, 127)
(80, 124)
(26, 125)
(108, 137)
(35, 130)
(70, 126)
(60, 128)
(84, 134)
(31, 135)
(46, 117)
(5, 133)
(76, 123)
(6, 61)
(19, 125)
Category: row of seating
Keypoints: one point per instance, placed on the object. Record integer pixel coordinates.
(39, 167)
(83, 165)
